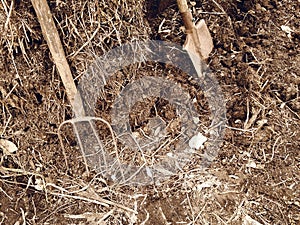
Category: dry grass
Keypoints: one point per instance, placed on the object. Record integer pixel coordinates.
(256, 175)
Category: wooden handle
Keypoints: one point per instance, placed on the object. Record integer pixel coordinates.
(186, 15)
(51, 35)
(182, 5)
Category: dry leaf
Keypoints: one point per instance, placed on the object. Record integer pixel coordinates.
(249, 221)
(8, 147)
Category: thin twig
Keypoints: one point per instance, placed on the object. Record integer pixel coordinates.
(99, 201)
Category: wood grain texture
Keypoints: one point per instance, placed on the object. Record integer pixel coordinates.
(51, 35)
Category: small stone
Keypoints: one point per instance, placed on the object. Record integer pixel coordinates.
(258, 7)
(197, 141)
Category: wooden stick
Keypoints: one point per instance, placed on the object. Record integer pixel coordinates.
(185, 14)
(190, 27)
(51, 35)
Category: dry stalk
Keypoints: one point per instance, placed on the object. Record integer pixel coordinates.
(100, 217)
(99, 201)
(86, 43)
(84, 196)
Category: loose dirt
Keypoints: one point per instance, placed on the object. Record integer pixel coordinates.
(255, 177)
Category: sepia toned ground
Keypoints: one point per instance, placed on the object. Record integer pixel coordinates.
(255, 177)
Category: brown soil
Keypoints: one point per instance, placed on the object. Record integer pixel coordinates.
(256, 61)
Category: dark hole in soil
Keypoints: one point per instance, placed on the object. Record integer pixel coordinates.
(245, 5)
(38, 97)
(151, 8)
(143, 111)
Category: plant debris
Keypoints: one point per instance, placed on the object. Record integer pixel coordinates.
(254, 178)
